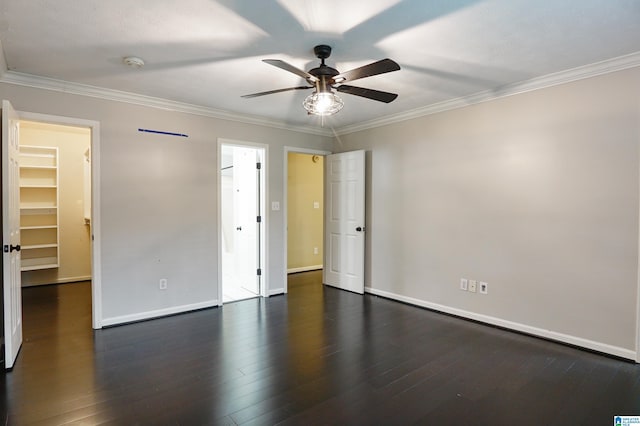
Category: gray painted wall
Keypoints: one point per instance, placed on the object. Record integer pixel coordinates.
(159, 197)
(536, 194)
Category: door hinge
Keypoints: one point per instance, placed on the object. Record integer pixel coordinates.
(259, 219)
(259, 272)
(258, 166)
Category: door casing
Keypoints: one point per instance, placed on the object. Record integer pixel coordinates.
(96, 270)
(263, 234)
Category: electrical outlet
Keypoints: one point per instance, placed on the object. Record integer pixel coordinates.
(484, 287)
(163, 284)
(463, 284)
(472, 285)
(315, 250)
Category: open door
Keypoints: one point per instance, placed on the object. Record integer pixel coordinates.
(344, 215)
(246, 206)
(11, 234)
(241, 209)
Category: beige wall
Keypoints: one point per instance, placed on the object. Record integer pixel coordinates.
(74, 249)
(305, 222)
(536, 194)
(158, 194)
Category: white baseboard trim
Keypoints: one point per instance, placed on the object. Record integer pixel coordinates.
(540, 332)
(60, 281)
(123, 319)
(304, 269)
(276, 291)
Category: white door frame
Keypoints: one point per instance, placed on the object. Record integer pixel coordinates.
(285, 198)
(96, 266)
(264, 229)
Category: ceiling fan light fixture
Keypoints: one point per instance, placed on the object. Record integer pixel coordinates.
(325, 80)
(323, 103)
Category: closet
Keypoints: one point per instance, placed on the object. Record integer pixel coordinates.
(39, 229)
(55, 203)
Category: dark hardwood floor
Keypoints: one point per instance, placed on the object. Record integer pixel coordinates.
(315, 356)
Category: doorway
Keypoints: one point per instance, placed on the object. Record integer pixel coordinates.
(39, 179)
(241, 221)
(55, 203)
(304, 195)
(94, 204)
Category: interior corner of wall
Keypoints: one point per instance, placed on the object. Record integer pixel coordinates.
(3, 61)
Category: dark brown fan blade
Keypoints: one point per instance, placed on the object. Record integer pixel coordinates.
(376, 95)
(255, 95)
(375, 68)
(288, 67)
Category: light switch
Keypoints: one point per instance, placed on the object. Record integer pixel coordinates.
(316, 205)
(275, 205)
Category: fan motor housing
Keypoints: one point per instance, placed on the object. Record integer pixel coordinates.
(323, 70)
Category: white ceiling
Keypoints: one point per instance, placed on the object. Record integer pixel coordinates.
(208, 52)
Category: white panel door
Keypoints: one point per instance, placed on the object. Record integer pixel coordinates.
(245, 178)
(344, 216)
(11, 234)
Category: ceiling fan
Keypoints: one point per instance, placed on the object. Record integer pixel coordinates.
(325, 79)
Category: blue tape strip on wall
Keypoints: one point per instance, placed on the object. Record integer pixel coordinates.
(159, 132)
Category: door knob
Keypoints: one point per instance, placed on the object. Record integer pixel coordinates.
(360, 229)
(239, 228)
(10, 248)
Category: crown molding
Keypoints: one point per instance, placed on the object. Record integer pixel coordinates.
(599, 68)
(587, 71)
(29, 80)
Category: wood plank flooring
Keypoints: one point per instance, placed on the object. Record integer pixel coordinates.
(315, 356)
